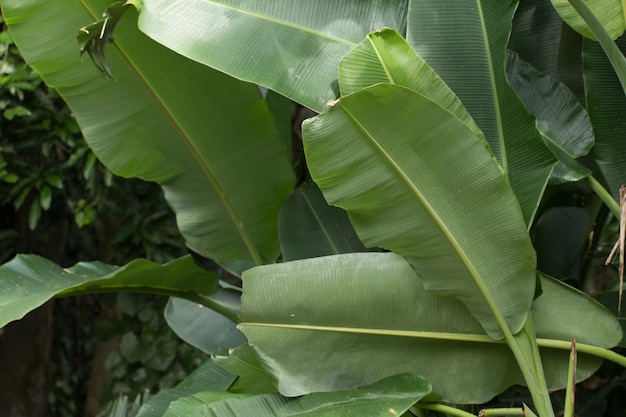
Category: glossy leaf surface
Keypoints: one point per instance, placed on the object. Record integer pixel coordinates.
(208, 139)
(411, 190)
(290, 47)
(465, 42)
(369, 308)
(28, 281)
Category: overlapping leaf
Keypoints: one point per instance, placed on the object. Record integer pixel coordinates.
(309, 227)
(606, 104)
(28, 281)
(610, 13)
(315, 322)
(561, 119)
(208, 139)
(292, 48)
(209, 376)
(388, 397)
(205, 328)
(412, 190)
(386, 57)
(465, 42)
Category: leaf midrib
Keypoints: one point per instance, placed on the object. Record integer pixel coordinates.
(281, 22)
(433, 215)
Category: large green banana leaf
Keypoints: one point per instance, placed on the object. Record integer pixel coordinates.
(606, 104)
(28, 281)
(386, 57)
(342, 321)
(430, 190)
(207, 138)
(563, 122)
(388, 397)
(465, 42)
(290, 47)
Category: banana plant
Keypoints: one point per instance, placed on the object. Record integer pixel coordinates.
(435, 144)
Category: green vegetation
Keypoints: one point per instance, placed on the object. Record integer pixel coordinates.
(467, 159)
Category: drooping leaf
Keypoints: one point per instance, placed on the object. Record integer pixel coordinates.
(251, 378)
(208, 377)
(28, 281)
(451, 35)
(388, 397)
(561, 119)
(606, 103)
(208, 139)
(410, 190)
(610, 13)
(291, 48)
(309, 227)
(315, 322)
(204, 327)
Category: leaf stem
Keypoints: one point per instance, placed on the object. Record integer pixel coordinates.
(610, 48)
(442, 408)
(588, 349)
(605, 196)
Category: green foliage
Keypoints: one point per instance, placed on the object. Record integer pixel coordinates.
(441, 146)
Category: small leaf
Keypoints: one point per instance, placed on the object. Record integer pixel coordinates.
(54, 181)
(34, 214)
(45, 197)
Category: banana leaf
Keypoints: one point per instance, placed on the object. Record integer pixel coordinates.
(209, 376)
(411, 190)
(536, 35)
(346, 320)
(243, 362)
(208, 139)
(606, 104)
(563, 122)
(291, 48)
(610, 13)
(309, 227)
(390, 396)
(465, 41)
(386, 57)
(28, 281)
(205, 328)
